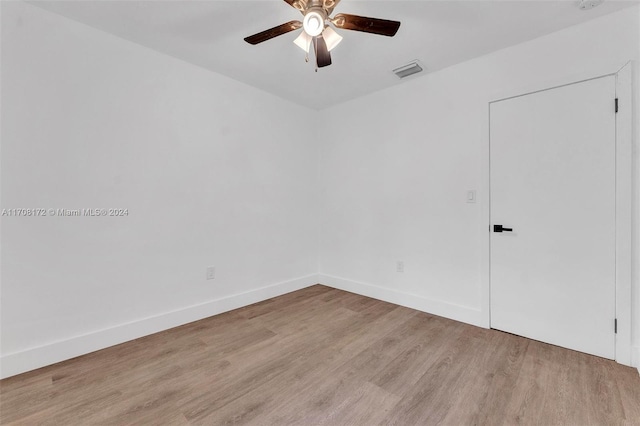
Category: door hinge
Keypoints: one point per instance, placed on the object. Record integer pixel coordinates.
(615, 326)
(616, 105)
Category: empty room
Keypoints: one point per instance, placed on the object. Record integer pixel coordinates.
(319, 212)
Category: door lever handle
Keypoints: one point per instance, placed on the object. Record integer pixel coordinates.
(500, 228)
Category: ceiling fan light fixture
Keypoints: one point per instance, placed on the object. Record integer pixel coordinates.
(313, 23)
(331, 37)
(303, 41)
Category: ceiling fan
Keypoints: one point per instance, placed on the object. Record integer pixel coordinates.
(316, 29)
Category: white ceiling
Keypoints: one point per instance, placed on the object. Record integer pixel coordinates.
(439, 33)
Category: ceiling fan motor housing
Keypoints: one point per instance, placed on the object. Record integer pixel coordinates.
(305, 6)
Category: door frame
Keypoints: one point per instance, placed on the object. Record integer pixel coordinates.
(624, 197)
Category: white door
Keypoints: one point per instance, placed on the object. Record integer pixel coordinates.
(553, 184)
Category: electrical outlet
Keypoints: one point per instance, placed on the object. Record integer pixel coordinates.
(399, 266)
(211, 272)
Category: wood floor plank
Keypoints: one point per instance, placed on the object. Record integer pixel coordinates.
(425, 336)
(482, 399)
(429, 400)
(335, 342)
(325, 356)
(261, 368)
(276, 304)
(629, 393)
(356, 408)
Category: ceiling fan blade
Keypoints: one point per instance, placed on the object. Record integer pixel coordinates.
(323, 57)
(366, 25)
(273, 32)
(329, 5)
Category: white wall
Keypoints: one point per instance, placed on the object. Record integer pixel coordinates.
(395, 171)
(212, 172)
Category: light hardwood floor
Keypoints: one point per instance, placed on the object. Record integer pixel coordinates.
(324, 356)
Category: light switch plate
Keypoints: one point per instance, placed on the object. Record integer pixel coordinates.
(211, 272)
(471, 196)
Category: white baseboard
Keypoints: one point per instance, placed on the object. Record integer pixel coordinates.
(635, 357)
(444, 309)
(33, 358)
